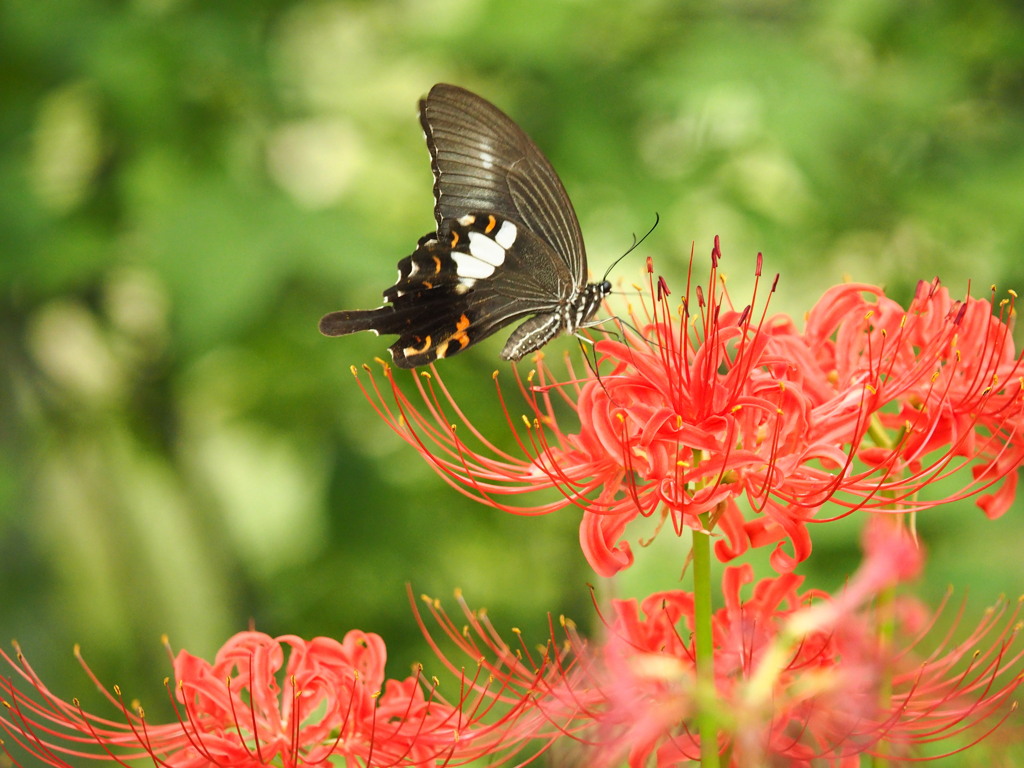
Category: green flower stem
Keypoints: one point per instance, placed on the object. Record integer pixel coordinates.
(885, 608)
(707, 718)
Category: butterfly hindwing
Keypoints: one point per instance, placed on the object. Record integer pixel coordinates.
(457, 288)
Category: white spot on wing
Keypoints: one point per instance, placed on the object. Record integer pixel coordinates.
(487, 160)
(486, 249)
(472, 267)
(506, 235)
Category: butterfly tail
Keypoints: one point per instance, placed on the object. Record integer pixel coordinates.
(380, 320)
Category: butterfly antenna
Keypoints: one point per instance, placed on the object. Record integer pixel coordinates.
(633, 247)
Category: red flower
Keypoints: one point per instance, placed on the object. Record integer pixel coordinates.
(708, 410)
(801, 679)
(944, 381)
(250, 707)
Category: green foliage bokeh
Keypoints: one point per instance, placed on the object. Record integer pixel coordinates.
(185, 187)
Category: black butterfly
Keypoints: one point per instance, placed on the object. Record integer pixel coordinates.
(507, 245)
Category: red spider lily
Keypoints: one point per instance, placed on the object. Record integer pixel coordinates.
(328, 705)
(704, 406)
(802, 679)
(945, 380)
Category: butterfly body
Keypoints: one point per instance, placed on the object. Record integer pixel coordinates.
(507, 247)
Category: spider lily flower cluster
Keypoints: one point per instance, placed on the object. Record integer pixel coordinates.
(729, 423)
(801, 677)
(706, 408)
(280, 701)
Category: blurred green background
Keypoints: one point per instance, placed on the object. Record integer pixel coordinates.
(185, 187)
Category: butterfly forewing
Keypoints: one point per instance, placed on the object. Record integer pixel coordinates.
(483, 161)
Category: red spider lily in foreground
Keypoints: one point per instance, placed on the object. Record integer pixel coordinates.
(801, 678)
(706, 406)
(328, 705)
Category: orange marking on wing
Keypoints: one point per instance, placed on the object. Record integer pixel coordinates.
(455, 240)
(437, 265)
(491, 224)
(460, 334)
